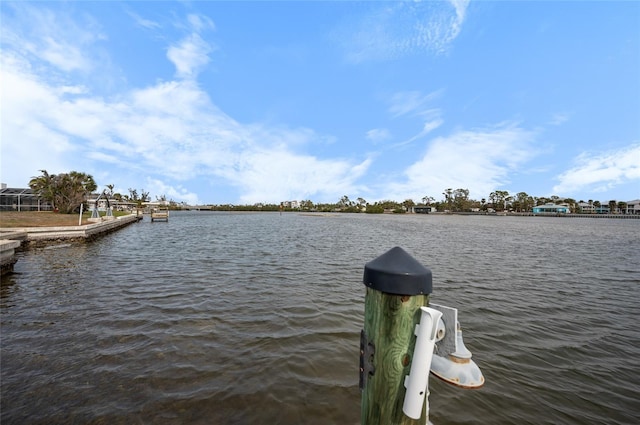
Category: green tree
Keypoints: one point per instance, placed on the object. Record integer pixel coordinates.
(622, 207)
(139, 199)
(374, 209)
(572, 204)
(65, 191)
(344, 202)
(306, 205)
(428, 200)
(524, 202)
(597, 205)
(448, 198)
(542, 200)
(461, 200)
(612, 206)
(498, 199)
(44, 186)
(407, 204)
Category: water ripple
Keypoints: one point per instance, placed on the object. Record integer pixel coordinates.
(255, 318)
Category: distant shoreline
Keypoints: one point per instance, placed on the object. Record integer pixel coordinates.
(530, 214)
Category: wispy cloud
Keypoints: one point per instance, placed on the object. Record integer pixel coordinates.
(598, 172)
(559, 118)
(143, 22)
(392, 30)
(479, 160)
(377, 135)
(200, 23)
(428, 127)
(416, 104)
(412, 103)
(52, 38)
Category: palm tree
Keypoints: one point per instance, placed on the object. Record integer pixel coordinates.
(43, 186)
(65, 191)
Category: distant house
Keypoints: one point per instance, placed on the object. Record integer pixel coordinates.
(551, 209)
(291, 204)
(423, 209)
(633, 207)
(103, 203)
(586, 208)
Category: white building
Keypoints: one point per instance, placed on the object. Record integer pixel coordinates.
(633, 207)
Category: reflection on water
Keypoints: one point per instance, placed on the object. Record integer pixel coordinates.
(255, 318)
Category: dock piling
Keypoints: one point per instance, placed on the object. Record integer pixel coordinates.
(397, 287)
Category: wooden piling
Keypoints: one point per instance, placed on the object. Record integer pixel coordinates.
(397, 286)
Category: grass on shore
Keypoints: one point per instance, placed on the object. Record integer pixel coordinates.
(15, 219)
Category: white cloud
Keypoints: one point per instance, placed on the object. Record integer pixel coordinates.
(189, 56)
(165, 135)
(172, 193)
(393, 30)
(598, 172)
(281, 175)
(479, 160)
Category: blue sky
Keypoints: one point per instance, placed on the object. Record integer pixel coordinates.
(247, 102)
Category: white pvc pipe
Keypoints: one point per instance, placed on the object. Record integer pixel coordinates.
(417, 382)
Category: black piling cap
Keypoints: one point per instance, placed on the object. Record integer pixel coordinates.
(396, 272)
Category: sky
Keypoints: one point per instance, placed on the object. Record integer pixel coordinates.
(209, 102)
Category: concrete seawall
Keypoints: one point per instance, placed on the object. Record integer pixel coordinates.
(12, 239)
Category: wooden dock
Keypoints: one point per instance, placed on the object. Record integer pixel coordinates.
(160, 215)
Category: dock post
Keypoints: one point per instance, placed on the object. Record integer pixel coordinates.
(397, 286)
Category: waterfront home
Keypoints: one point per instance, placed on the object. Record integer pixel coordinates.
(633, 207)
(21, 199)
(551, 208)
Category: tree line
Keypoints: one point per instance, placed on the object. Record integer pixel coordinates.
(66, 191)
(458, 200)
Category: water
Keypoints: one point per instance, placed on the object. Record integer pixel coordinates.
(218, 318)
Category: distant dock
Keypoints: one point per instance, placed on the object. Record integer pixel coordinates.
(160, 215)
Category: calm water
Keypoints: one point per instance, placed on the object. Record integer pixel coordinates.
(217, 318)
